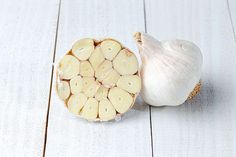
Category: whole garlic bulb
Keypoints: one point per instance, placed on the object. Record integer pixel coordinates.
(170, 71)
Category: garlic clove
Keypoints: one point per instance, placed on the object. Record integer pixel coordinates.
(92, 89)
(76, 84)
(68, 67)
(170, 70)
(110, 48)
(102, 93)
(130, 83)
(111, 79)
(96, 58)
(106, 110)
(86, 69)
(83, 48)
(86, 82)
(90, 109)
(103, 70)
(76, 102)
(125, 63)
(120, 99)
(63, 90)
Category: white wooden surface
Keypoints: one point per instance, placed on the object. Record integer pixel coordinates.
(204, 126)
(27, 31)
(232, 14)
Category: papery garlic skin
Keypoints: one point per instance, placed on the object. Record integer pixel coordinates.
(170, 70)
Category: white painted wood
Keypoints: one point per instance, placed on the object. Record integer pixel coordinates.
(206, 125)
(71, 136)
(232, 12)
(27, 32)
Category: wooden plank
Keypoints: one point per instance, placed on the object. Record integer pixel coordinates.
(72, 136)
(26, 42)
(206, 125)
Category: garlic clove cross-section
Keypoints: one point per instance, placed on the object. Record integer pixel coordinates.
(111, 79)
(98, 80)
(125, 63)
(103, 70)
(83, 48)
(90, 109)
(121, 99)
(170, 70)
(110, 48)
(68, 67)
(86, 69)
(96, 58)
(76, 84)
(63, 90)
(102, 93)
(76, 102)
(106, 110)
(130, 83)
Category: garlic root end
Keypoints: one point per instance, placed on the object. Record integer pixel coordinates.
(195, 91)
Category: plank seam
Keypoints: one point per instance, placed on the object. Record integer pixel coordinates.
(150, 114)
(150, 108)
(145, 16)
(231, 20)
(51, 81)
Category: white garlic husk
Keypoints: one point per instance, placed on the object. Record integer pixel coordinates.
(170, 70)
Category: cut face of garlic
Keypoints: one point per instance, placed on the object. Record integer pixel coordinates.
(101, 93)
(110, 49)
(106, 110)
(103, 70)
(76, 102)
(125, 63)
(83, 48)
(121, 99)
(86, 69)
(63, 90)
(92, 88)
(98, 79)
(170, 70)
(130, 83)
(96, 58)
(69, 67)
(90, 109)
(76, 84)
(111, 79)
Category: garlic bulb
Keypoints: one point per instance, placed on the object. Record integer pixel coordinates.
(98, 80)
(170, 70)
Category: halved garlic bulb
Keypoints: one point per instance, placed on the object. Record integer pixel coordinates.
(98, 80)
(170, 70)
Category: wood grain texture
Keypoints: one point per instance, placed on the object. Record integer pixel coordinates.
(27, 31)
(206, 125)
(71, 136)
